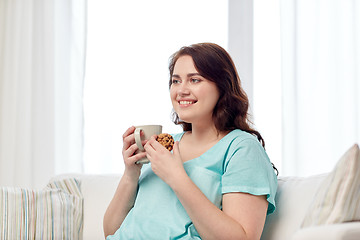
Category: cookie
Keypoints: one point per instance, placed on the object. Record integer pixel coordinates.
(166, 140)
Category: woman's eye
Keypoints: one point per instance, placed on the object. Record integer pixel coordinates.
(195, 80)
(175, 81)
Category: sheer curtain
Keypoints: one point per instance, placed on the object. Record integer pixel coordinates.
(42, 45)
(321, 83)
(129, 44)
(254, 44)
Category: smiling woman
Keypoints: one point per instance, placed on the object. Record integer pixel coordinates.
(217, 182)
(126, 72)
(189, 92)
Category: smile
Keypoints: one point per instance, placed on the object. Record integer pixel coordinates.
(187, 102)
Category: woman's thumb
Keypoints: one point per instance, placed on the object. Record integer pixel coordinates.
(176, 148)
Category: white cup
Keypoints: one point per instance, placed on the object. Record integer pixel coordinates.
(148, 131)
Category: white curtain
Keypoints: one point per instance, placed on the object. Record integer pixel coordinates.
(42, 45)
(321, 83)
(126, 82)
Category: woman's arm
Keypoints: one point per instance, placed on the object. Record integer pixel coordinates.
(242, 217)
(125, 194)
(120, 205)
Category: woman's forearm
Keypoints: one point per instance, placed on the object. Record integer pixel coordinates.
(120, 205)
(209, 220)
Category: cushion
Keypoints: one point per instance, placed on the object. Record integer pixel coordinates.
(55, 212)
(338, 197)
(293, 197)
(97, 190)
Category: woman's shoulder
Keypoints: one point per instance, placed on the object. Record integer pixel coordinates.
(239, 139)
(239, 136)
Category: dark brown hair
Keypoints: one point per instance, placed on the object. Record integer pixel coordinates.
(216, 65)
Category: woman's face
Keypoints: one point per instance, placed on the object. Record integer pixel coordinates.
(193, 97)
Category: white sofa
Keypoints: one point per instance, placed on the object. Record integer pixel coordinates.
(293, 198)
(325, 206)
(72, 206)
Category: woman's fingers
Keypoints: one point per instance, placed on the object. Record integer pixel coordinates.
(137, 157)
(132, 155)
(149, 146)
(128, 137)
(130, 151)
(154, 144)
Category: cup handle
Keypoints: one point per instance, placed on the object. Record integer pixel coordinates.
(138, 139)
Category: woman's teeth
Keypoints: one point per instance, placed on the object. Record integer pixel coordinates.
(186, 102)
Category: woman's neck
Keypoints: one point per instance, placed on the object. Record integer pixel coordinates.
(205, 133)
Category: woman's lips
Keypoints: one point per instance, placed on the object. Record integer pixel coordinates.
(185, 103)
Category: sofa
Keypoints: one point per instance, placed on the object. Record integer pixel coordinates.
(324, 206)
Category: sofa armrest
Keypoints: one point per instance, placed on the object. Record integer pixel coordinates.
(341, 231)
(97, 191)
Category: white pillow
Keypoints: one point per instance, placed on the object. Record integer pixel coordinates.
(56, 212)
(338, 197)
(294, 195)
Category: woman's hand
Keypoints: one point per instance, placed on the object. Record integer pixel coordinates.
(132, 170)
(125, 194)
(166, 165)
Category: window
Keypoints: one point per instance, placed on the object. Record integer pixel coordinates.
(126, 83)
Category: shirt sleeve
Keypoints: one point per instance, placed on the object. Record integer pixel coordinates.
(248, 169)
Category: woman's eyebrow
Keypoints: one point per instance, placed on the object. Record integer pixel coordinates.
(188, 75)
(193, 74)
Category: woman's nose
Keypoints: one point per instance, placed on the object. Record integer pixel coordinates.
(183, 89)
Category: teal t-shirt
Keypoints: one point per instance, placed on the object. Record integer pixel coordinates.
(237, 163)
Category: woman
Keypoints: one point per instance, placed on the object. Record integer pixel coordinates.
(218, 182)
